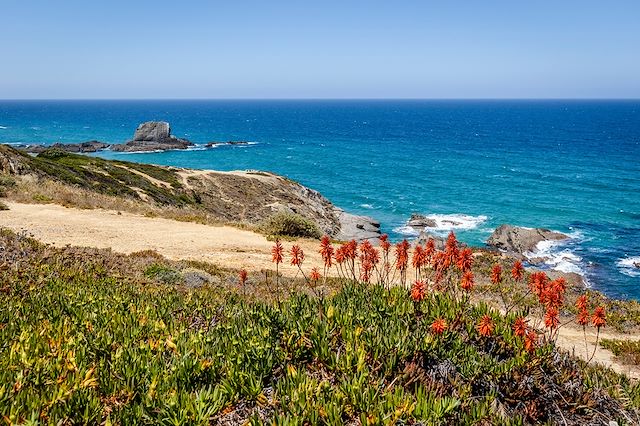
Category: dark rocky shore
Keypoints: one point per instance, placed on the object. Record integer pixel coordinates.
(150, 136)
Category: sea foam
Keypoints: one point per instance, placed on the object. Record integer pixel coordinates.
(445, 223)
(628, 266)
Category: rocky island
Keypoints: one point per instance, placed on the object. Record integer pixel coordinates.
(153, 136)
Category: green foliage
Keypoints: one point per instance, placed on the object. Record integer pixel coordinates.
(629, 350)
(117, 178)
(163, 274)
(3, 206)
(81, 342)
(290, 225)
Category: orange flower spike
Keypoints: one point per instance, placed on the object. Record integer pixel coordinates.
(419, 257)
(465, 259)
(326, 250)
(496, 274)
(351, 250)
(531, 341)
(276, 252)
(297, 255)
(583, 317)
(417, 291)
(517, 272)
(402, 255)
(581, 303)
(340, 255)
(599, 317)
(551, 319)
(384, 243)
(430, 249)
(520, 327)
(242, 275)
(467, 281)
(486, 326)
(438, 326)
(451, 250)
(315, 274)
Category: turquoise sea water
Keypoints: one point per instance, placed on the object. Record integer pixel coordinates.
(572, 166)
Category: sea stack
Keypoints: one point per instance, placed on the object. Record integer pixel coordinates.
(153, 136)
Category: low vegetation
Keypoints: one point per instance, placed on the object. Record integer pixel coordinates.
(284, 224)
(90, 336)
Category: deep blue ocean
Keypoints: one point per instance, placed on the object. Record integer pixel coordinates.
(572, 166)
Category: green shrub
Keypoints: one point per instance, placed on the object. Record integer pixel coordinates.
(3, 206)
(163, 274)
(290, 225)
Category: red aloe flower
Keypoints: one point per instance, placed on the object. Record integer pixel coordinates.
(465, 259)
(582, 302)
(351, 250)
(326, 250)
(467, 281)
(551, 319)
(297, 255)
(340, 255)
(438, 326)
(520, 327)
(537, 282)
(531, 341)
(583, 317)
(518, 271)
(402, 255)
(419, 257)
(276, 252)
(315, 275)
(486, 326)
(599, 317)
(451, 250)
(384, 243)
(430, 249)
(242, 275)
(496, 274)
(417, 291)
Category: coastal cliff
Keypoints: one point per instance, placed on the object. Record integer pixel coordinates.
(246, 197)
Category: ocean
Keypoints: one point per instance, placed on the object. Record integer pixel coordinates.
(571, 166)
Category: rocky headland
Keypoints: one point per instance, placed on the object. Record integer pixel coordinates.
(248, 197)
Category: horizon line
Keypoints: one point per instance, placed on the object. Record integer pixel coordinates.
(330, 99)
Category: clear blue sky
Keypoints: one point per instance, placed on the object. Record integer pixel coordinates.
(320, 49)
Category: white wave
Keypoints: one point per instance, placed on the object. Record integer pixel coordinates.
(450, 222)
(558, 257)
(367, 206)
(407, 231)
(3, 127)
(628, 266)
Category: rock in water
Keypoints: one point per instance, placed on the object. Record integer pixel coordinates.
(519, 240)
(418, 221)
(357, 228)
(153, 136)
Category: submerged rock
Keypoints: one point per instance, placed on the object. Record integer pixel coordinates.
(519, 240)
(420, 222)
(153, 136)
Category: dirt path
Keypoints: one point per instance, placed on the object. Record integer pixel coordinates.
(226, 246)
(126, 233)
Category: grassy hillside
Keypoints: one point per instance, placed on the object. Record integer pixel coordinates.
(250, 198)
(89, 336)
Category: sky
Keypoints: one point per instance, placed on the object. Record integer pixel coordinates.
(321, 49)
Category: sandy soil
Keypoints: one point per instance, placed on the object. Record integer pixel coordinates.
(126, 233)
(222, 245)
